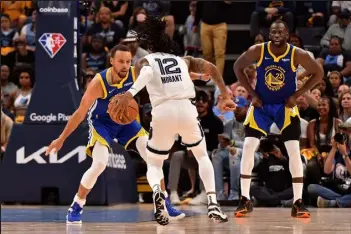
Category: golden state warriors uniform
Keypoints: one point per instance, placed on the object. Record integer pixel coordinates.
(276, 82)
(102, 128)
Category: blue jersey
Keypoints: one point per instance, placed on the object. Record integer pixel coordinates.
(102, 128)
(276, 76)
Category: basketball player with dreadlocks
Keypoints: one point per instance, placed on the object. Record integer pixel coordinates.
(167, 80)
(274, 100)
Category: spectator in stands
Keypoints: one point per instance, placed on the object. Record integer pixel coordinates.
(118, 10)
(259, 38)
(273, 171)
(7, 87)
(225, 116)
(336, 80)
(228, 154)
(7, 33)
(337, 7)
(325, 88)
(321, 130)
(213, 30)
(335, 59)
(111, 32)
(6, 127)
(343, 89)
(311, 13)
(191, 40)
(159, 7)
(133, 44)
(15, 9)
(342, 29)
(20, 56)
(139, 15)
(345, 106)
(96, 58)
(88, 76)
(29, 31)
(19, 100)
(268, 11)
(316, 94)
(297, 41)
(336, 192)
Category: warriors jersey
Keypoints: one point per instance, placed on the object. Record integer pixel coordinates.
(276, 76)
(171, 79)
(102, 127)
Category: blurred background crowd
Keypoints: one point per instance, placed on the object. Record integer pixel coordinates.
(210, 29)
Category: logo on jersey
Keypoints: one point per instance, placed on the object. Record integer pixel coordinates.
(52, 43)
(274, 77)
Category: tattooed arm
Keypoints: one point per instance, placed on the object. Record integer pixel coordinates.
(199, 65)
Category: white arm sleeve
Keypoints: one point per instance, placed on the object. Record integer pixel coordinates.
(144, 77)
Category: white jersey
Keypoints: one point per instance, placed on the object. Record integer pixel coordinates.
(170, 79)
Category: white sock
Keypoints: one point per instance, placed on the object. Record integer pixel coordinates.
(295, 166)
(298, 189)
(247, 164)
(212, 198)
(81, 202)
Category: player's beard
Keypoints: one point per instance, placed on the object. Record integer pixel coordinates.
(121, 74)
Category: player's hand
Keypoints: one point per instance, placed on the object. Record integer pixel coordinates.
(121, 107)
(55, 146)
(256, 101)
(227, 104)
(291, 101)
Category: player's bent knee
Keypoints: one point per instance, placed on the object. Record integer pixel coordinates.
(100, 156)
(156, 154)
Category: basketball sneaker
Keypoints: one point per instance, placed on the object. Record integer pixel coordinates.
(173, 213)
(215, 213)
(74, 214)
(245, 207)
(299, 210)
(160, 210)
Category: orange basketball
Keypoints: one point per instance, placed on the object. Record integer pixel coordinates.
(126, 118)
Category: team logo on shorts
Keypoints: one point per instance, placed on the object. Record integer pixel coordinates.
(274, 77)
(52, 43)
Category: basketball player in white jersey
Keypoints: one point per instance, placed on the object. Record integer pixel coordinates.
(170, 88)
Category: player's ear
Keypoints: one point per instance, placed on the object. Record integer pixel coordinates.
(111, 60)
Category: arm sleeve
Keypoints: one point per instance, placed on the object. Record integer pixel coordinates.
(144, 77)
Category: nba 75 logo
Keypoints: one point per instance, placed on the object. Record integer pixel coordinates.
(52, 43)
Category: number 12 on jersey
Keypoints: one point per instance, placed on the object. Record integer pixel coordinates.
(168, 66)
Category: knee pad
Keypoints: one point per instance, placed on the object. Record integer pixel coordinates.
(100, 157)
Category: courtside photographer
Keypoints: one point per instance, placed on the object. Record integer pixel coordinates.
(335, 190)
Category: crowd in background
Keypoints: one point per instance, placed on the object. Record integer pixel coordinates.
(325, 110)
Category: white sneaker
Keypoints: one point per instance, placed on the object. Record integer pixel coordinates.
(174, 198)
(200, 199)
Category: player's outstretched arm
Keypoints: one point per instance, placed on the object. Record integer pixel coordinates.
(93, 92)
(202, 66)
(247, 58)
(312, 67)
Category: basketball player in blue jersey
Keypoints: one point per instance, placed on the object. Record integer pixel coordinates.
(106, 84)
(274, 101)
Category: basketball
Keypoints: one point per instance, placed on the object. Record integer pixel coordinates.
(126, 118)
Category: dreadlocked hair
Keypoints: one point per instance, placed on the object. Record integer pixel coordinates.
(151, 35)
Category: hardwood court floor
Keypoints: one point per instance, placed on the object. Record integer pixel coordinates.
(137, 219)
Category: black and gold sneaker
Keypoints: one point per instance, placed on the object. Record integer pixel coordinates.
(299, 210)
(245, 207)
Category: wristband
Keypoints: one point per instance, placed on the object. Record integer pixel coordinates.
(133, 91)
